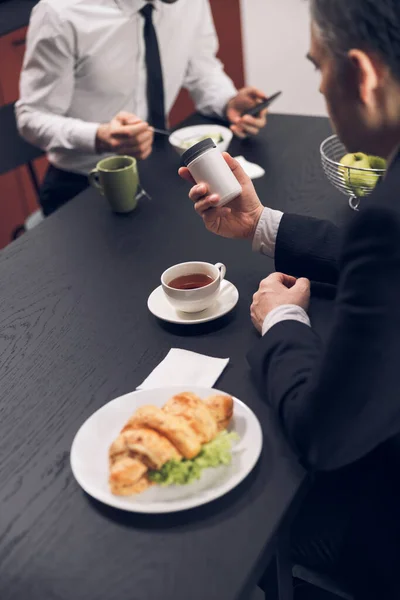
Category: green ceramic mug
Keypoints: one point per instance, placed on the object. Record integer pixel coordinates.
(117, 179)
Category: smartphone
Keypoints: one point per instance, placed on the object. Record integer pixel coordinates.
(255, 110)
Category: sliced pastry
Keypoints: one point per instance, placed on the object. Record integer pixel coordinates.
(196, 412)
(175, 429)
(222, 409)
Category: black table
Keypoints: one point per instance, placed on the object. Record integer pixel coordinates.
(75, 333)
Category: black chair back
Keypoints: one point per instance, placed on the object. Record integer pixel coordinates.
(321, 581)
(14, 151)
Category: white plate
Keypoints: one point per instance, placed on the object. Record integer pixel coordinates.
(196, 131)
(160, 307)
(89, 455)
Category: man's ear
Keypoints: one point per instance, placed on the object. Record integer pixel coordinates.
(369, 72)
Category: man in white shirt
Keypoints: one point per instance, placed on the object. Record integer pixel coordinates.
(84, 89)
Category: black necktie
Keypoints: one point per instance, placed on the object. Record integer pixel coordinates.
(155, 85)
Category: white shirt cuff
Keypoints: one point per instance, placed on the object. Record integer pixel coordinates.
(83, 136)
(267, 229)
(220, 103)
(285, 312)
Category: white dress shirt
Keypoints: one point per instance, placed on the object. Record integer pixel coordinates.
(85, 62)
(264, 242)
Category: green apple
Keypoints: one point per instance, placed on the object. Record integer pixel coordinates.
(376, 162)
(360, 182)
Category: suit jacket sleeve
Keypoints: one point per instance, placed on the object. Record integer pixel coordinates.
(338, 403)
(308, 247)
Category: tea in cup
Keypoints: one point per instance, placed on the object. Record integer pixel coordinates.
(193, 286)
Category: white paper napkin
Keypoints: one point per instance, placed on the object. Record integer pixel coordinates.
(181, 367)
(251, 169)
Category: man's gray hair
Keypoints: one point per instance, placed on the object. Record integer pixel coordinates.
(370, 25)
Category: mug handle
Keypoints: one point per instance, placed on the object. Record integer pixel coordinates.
(222, 270)
(94, 181)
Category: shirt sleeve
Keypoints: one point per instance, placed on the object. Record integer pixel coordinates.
(47, 85)
(264, 240)
(205, 78)
(285, 312)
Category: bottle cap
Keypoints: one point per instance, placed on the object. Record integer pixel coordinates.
(197, 150)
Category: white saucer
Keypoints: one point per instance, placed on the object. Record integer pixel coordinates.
(161, 308)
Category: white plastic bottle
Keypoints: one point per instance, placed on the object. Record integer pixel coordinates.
(207, 165)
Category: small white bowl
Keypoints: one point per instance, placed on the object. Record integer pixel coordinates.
(194, 132)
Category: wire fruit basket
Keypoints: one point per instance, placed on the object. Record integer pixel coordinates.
(354, 182)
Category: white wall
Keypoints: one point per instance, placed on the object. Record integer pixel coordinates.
(276, 41)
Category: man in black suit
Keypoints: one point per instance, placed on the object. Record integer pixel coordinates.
(339, 403)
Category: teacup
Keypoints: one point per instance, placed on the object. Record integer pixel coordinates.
(193, 299)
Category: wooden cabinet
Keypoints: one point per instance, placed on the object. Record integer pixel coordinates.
(228, 25)
(17, 196)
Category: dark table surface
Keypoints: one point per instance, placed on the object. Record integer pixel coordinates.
(75, 333)
(15, 14)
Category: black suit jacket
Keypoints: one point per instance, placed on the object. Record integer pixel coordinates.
(339, 401)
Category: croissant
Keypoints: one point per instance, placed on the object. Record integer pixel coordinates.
(175, 429)
(125, 474)
(153, 449)
(221, 407)
(196, 413)
(154, 436)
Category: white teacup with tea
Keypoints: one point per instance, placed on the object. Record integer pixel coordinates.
(192, 286)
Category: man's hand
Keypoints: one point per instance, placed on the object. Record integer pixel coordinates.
(276, 290)
(125, 134)
(237, 220)
(245, 125)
